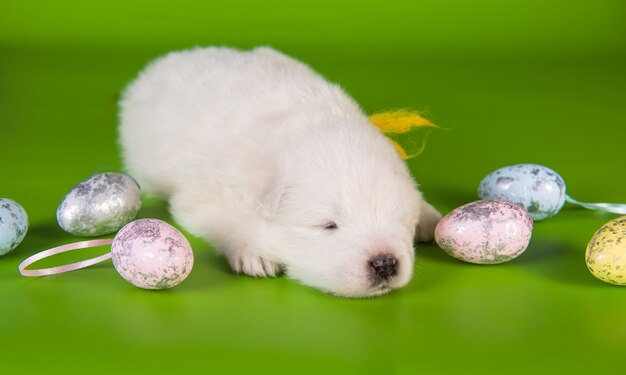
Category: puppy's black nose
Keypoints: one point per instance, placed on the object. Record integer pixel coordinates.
(384, 266)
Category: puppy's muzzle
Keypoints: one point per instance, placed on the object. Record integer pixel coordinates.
(384, 267)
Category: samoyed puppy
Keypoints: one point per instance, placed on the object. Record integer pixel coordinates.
(278, 168)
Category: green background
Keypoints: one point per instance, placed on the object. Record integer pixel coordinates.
(512, 81)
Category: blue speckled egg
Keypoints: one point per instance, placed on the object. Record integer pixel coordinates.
(540, 190)
(13, 225)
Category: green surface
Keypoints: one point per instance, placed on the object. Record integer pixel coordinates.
(515, 81)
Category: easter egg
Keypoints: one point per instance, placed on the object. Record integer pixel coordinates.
(485, 232)
(151, 254)
(99, 205)
(540, 190)
(13, 225)
(606, 252)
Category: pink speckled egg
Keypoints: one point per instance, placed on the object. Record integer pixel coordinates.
(151, 254)
(485, 232)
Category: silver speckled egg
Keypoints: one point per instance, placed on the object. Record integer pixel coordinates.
(99, 205)
(540, 190)
(13, 225)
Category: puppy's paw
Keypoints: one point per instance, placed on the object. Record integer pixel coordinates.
(248, 263)
(429, 217)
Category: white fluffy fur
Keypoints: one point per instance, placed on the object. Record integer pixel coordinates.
(256, 153)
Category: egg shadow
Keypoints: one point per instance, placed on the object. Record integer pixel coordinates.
(219, 263)
(434, 253)
(557, 260)
(425, 274)
(153, 208)
(210, 270)
(450, 197)
(39, 237)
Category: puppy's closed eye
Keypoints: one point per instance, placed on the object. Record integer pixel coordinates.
(329, 226)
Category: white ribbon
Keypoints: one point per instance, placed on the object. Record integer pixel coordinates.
(616, 208)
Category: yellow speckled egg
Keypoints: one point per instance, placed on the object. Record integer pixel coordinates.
(606, 252)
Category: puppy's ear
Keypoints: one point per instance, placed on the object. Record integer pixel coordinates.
(272, 200)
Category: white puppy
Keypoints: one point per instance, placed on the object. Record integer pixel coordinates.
(275, 166)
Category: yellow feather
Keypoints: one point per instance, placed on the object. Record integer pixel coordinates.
(399, 121)
(400, 150)
(406, 130)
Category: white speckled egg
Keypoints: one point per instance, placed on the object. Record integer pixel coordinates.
(540, 190)
(152, 254)
(13, 225)
(606, 252)
(100, 205)
(485, 232)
